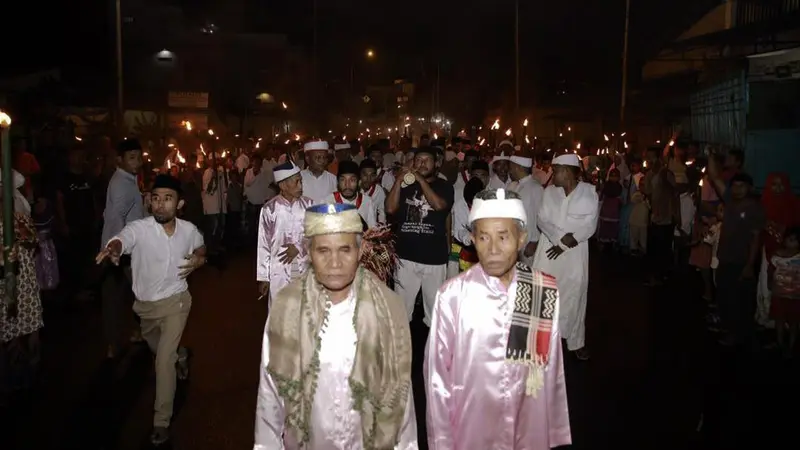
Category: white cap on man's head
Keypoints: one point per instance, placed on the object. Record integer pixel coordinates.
(344, 146)
(311, 146)
(567, 159)
(499, 207)
(522, 161)
(284, 171)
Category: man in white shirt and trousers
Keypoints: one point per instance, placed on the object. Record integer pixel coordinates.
(530, 192)
(567, 219)
(318, 183)
(164, 251)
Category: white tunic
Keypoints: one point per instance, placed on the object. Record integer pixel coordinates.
(559, 215)
(334, 423)
(366, 209)
(318, 188)
(378, 196)
(496, 183)
(531, 193)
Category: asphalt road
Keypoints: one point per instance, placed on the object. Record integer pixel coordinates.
(655, 372)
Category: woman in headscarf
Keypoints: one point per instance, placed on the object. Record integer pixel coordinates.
(782, 210)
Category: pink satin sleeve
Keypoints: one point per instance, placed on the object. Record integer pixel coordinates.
(266, 240)
(438, 377)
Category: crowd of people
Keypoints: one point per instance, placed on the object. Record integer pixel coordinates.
(494, 242)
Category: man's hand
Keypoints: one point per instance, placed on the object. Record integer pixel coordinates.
(263, 289)
(530, 249)
(112, 251)
(554, 252)
(288, 254)
(193, 262)
(569, 240)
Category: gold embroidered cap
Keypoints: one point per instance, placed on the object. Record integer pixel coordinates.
(331, 219)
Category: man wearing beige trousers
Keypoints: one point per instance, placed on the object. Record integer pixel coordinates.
(164, 251)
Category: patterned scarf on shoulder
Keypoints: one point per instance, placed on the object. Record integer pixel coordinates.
(381, 376)
(532, 324)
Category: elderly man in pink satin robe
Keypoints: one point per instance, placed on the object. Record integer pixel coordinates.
(493, 370)
(281, 256)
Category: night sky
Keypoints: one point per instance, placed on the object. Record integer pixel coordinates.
(576, 41)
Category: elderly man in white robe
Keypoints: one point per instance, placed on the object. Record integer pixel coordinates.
(567, 219)
(318, 183)
(280, 253)
(336, 357)
(531, 193)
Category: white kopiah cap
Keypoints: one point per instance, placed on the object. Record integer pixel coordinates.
(568, 159)
(344, 146)
(315, 145)
(499, 208)
(522, 161)
(284, 171)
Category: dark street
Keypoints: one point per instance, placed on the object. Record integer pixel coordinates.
(655, 371)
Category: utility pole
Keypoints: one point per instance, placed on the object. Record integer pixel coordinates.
(314, 77)
(120, 107)
(516, 45)
(624, 94)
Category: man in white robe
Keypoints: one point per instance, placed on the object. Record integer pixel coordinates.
(500, 178)
(567, 219)
(347, 179)
(531, 193)
(281, 255)
(318, 183)
(329, 334)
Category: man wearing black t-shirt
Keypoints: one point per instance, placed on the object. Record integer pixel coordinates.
(419, 208)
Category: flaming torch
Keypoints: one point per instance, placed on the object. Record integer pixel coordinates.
(10, 297)
(495, 127)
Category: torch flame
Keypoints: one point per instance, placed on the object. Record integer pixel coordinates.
(210, 132)
(525, 122)
(197, 164)
(186, 124)
(181, 159)
(496, 124)
(701, 183)
(5, 120)
(527, 141)
(605, 136)
(508, 132)
(202, 150)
